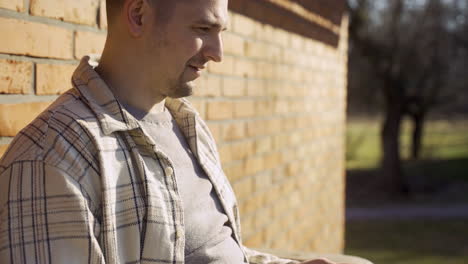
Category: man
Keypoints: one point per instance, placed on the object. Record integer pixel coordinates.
(120, 169)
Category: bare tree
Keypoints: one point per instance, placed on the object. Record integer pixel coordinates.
(410, 46)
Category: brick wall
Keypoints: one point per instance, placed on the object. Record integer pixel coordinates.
(276, 106)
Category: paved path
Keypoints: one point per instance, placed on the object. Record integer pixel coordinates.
(408, 212)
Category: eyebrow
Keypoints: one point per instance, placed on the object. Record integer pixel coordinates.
(211, 23)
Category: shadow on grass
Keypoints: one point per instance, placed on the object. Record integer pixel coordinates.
(409, 242)
(430, 180)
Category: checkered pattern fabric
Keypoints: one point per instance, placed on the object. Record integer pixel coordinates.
(83, 183)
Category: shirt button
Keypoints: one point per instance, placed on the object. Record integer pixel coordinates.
(169, 171)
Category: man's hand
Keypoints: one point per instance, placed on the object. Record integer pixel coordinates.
(320, 261)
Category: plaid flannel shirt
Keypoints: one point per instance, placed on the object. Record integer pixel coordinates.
(83, 183)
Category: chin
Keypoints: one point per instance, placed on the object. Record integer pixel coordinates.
(182, 90)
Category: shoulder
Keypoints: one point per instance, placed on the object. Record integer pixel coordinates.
(59, 136)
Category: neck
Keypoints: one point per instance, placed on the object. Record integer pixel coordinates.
(128, 81)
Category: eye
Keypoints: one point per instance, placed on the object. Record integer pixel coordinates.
(203, 29)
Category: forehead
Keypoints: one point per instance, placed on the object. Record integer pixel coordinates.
(215, 11)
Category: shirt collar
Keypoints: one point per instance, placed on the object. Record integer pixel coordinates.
(111, 115)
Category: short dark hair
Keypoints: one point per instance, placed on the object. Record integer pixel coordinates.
(113, 7)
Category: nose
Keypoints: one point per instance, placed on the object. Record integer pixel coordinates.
(214, 48)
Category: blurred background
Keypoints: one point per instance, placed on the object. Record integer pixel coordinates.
(407, 131)
(342, 125)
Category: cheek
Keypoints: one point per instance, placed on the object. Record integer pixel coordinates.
(189, 50)
(194, 46)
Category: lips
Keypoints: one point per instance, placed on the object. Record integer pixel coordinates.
(197, 68)
(194, 72)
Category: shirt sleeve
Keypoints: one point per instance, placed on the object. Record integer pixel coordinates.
(256, 257)
(45, 217)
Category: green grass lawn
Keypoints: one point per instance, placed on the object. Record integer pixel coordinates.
(409, 242)
(444, 151)
(444, 160)
(442, 140)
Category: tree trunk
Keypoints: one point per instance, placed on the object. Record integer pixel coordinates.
(418, 128)
(392, 180)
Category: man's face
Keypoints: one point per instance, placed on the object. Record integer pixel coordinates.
(180, 45)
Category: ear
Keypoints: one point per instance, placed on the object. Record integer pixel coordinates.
(135, 16)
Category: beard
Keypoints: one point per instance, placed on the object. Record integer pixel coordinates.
(180, 89)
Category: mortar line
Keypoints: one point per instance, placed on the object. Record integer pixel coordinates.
(269, 118)
(49, 21)
(254, 138)
(281, 166)
(288, 46)
(36, 59)
(33, 89)
(27, 6)
(15, 98)
(5, 140)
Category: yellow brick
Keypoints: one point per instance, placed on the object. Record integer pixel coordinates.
(281, 107)
(296, 138)
(53, 78)
(289, 124)
(208, 85)
(3, 149)
(263, 181)
(14, 117)
(280, 141)
(258, 128)
(263, 218)
(219, 110)
(233, 44)
(88, 43)
(272, 160)
(273, 126)
(225, 153)
(17, 5)
(248, 225)
(243, 188)
(244, 109)
(281, 37)
(264, 108)
(242, 150)
(265, 70)
(254, 49)
(15, 77)
(234, 87)
(234, 171)
(265, 32)
(279, 242)
(252, 204)
(274, 53)
(226, 67)
(253, 165)
(257, 240)
(244, 208)
(199, 105)
(245, 68)
(102, 15)
(234, 131)
(243, 25)
(29, 38)
(263, 145)
(215, 130)
(287, 155)
(297, 42)
(288, 56)
(256, 87)
(293, 169)
(81, 12)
